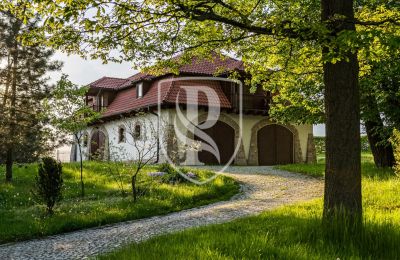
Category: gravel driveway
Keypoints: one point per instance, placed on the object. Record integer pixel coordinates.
(263, 188)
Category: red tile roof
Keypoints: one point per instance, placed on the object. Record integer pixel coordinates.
(170, 92)
(216, 65)
(126, 100)
(108, 83)
(211, 93)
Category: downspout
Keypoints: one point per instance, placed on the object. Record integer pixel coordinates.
(158, 135)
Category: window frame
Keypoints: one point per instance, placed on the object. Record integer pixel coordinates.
(135, 133)
(123, 140)
(139, 90)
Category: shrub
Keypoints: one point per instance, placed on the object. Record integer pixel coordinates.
(320, 144)
(396, 145)
(48, 183)
(172, 175)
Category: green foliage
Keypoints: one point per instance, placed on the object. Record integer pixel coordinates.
(320, 144)
(174, 176)
(48, 183)
(24, 131)
(368, 168)
(22, 218)
(290, 232)
(69, 111)
(281, 43)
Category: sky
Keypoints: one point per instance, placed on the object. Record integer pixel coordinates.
(83, 72)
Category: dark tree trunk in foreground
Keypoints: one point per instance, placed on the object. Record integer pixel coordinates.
(343, 159)
(381, 147)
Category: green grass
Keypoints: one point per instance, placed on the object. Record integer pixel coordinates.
(22, 218)
(291, 232)
(318, 169)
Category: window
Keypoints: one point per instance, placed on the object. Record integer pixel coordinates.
(139, 90)
(138, 131)
(121, 134)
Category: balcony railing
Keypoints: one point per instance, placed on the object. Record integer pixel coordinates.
(251, 102)
(98, 108)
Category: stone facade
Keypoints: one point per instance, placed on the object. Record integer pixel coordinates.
(311, 151)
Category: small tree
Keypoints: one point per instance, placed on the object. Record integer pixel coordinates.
(48, 183)
(144, 137)
(71, 115)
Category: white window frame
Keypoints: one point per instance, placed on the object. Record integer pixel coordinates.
(139, 90)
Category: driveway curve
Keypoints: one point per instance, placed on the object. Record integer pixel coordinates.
(262, 188)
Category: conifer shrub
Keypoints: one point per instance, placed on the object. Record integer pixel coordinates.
(48, 183)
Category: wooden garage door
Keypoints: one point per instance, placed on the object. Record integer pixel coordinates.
(224, 136)
(275, 145)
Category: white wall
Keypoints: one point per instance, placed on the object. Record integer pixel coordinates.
(120, 151)
(126, 151)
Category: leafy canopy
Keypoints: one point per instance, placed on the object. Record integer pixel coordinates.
(280, 41)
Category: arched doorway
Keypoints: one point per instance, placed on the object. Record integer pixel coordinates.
(98, 145)
(224, 137)
(275, 145)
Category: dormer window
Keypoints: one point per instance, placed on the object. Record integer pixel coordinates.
(139, 90)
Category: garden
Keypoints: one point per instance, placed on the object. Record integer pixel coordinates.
(107, 199)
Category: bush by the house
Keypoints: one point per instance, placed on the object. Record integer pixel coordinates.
(320, 144)
(48, 183)
(171, 175)
(396, 146)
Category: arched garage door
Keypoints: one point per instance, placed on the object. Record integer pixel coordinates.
(224, 137)
(275, 145)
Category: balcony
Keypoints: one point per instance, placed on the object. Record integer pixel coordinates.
(98, 108)
(251, 103)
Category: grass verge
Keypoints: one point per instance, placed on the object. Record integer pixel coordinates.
(291, 232)
(21, 218)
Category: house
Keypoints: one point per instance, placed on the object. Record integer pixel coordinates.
(243, 134)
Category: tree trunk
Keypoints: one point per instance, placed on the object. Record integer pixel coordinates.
(9, 165)
(381, 148)
(81, 167)
(342, 196)
(12, 133)
(134, 191)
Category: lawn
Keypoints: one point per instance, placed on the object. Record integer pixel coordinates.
(291, 232)
(22, 218)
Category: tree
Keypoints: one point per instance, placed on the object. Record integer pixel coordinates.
(380, 101)
(276, 38)
(24, 134)
(48, 183)
(70, 114)
(143, 136)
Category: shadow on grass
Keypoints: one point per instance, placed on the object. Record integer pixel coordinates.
(274, 235)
